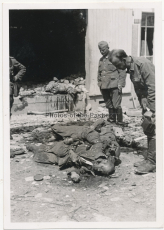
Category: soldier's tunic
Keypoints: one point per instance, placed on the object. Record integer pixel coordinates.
(17, 71)
(142, 74)
(108, 80)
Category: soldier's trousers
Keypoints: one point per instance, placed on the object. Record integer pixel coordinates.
(151, 142)
(11, 103)
(112, 98)
(11, 96)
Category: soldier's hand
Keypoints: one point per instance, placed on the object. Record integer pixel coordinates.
(119, 89)
(74, 157)
(15, 78)
(144, 103)
(153, 118)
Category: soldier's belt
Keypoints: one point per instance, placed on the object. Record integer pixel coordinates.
(110, 75)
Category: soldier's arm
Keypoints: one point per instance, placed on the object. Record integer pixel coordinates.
(21, 70)
(99, 73)
(148, 74)
(122, 78)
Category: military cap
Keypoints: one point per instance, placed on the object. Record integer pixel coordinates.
(102, 44)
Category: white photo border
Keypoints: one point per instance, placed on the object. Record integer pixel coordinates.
(157, 5)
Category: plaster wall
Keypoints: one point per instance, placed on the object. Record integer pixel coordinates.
(113, 26)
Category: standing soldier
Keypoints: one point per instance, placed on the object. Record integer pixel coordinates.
(111, 81)
(17, 71)
(142, 75)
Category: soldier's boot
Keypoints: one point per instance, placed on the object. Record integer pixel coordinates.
(139, 163)
(150, 163)
(112, 115)
(120, 117)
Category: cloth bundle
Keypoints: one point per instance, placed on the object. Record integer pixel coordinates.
(56, 87)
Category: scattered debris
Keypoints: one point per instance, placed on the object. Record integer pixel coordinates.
(103, 184)
(105, 188)
(42, 113)
(47, 199)
(136, 200)
(75, 177)
(39, 195)
(133, 184)
(115, 199)
(38, 177)
(47, 177)
(31, 178)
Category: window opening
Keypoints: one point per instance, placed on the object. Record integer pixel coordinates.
(147, 35)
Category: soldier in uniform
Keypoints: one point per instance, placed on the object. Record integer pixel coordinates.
(17, 71)
(111, 81)
(142, 75)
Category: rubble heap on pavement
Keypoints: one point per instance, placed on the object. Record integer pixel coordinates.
(55, 86)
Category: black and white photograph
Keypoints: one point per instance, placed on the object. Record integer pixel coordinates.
(81, 91)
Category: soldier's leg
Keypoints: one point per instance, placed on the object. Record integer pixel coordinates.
(149, 165)
(116, 100)
(109, 103)
(11, 103)
(139, 163)
(11, 96)
(107, 95)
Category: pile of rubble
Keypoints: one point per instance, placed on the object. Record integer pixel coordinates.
(62, 86)
(71, 87)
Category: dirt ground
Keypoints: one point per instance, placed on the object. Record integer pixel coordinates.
(123, 196)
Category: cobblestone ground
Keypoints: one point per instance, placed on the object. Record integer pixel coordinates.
(125, 196)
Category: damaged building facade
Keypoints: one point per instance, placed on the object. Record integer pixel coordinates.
(64, 44)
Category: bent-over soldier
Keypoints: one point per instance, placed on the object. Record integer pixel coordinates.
(142, 75)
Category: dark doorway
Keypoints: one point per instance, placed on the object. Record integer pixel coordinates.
(50, 43)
